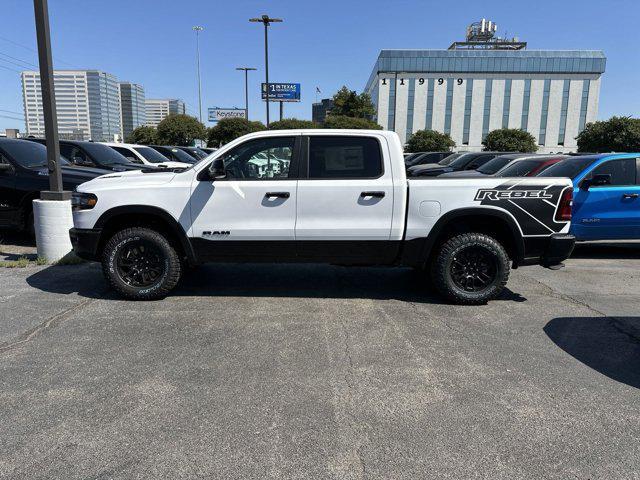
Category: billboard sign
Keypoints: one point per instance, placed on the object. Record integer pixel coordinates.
(282, 92)
(217, 114)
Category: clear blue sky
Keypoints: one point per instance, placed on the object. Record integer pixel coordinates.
(321, 43)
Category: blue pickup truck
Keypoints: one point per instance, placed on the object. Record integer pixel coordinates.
(606, 195)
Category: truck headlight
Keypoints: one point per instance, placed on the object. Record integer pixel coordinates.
(83, 201)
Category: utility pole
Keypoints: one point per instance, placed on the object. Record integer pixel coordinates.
(55, 191)
(198, 29)
(246, 89)
(266, 21)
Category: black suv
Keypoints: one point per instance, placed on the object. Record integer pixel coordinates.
(24, 174)
(97, 155)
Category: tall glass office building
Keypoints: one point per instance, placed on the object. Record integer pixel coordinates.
(132, 107)
(469, 90)
(87, 104)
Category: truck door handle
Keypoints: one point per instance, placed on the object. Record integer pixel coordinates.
(372, 194)
(629, 195)
(277, 194)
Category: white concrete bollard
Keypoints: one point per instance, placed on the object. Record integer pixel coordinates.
(52, 220)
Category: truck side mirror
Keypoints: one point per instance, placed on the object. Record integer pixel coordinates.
(216, 169)
(599, 180)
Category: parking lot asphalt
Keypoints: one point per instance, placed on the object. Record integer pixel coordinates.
(312, 371)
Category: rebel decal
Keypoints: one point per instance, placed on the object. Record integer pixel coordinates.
(532, 205)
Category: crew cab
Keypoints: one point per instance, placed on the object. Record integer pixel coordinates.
(330, 196)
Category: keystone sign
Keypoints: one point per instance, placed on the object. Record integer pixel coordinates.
(282, 92)
(216, 114)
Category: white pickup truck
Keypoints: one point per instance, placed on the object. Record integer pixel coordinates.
(326, 196)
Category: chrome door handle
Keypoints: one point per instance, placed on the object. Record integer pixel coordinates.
(629, 195)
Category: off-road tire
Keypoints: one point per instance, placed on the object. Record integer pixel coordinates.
(169, 277)
(441, 268)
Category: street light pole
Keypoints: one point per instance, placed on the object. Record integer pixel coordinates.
(48, 103)
(266, 21)
(246, 89)
(198, 29)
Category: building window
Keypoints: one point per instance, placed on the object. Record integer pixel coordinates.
(542, 136)
(428, 125)
(524, 123)
(487, 108)
(506, 104)
(583, 104)
(563, 111)
(447, 110)
(467, 112)
(410, 102)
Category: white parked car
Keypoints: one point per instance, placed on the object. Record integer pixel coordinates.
(145, 155)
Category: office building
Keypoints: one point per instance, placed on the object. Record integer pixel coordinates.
(319, 110)
(132, 107)
(487, 83)
(87, 104)
(158, 109)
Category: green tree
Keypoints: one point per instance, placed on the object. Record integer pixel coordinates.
(350, 104)
(340, 121)
(510, 140)
(143, 136)
(429, 141)
(231, 128)
(180, 130)
(618, 134)
(291, 124)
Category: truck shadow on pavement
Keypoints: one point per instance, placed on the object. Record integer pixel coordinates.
(263, 280)
(609, 345)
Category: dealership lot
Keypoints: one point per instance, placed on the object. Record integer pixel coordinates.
(253, 371)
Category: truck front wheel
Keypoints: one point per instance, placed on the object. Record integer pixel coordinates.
(141, 264)
(470, 268)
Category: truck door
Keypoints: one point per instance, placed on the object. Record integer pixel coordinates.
(345, 200)
(252, 212)
(609, 211)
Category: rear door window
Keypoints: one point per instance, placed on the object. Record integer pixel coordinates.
(344, 157)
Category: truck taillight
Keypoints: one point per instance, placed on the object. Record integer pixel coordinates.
(563, 214)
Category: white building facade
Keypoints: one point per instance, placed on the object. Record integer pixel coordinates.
(158, 109)
(468, 93)
(87, 104)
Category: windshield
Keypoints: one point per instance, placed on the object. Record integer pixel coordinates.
(29, 154)
(520, 168)
(568, 168)
(201, 153)
(150, 154)
(104, 155)
(180, 155)
(493, 165)
(462, 160)
(447, 160)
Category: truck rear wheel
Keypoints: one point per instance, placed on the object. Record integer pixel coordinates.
(141, 264)
(470, 268)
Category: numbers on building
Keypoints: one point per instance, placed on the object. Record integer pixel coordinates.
(459, 81)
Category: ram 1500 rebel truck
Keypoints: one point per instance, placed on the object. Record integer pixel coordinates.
(327, 196)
